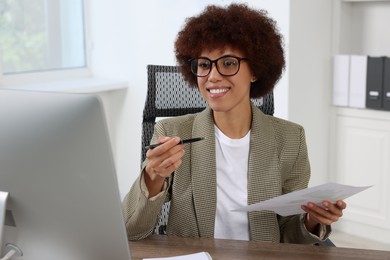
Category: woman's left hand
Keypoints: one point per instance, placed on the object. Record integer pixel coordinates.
(326, 215)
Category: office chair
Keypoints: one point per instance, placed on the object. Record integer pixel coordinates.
(169, 95)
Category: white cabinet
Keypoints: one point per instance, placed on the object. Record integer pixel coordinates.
(360, 138)
(362, 157)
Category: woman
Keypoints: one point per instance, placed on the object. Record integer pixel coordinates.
(230, 54)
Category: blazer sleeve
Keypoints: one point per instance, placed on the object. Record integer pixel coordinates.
(141, 213)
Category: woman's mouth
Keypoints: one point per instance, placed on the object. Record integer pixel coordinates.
(217, 92)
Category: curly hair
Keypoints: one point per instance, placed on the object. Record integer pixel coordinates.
(241, 28)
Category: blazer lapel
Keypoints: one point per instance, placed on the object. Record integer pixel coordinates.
(263, 169)
(263, 163)
(203, 173)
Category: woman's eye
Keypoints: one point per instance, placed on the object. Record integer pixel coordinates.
(229, 63)
(204, 65)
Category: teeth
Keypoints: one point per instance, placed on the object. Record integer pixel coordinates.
(218, 90)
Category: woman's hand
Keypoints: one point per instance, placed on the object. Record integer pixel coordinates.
(326, 215)
(163, 161)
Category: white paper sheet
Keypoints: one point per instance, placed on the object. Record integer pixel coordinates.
(290, 204)
(195, 256)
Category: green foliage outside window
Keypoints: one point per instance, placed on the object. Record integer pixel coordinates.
(23, 36)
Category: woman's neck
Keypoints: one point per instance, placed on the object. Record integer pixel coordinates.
(234, 124)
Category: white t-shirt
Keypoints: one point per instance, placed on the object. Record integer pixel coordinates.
(232, 186)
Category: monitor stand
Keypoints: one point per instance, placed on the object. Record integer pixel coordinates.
(3, 208)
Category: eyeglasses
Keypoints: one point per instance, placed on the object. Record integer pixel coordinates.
(227, 65)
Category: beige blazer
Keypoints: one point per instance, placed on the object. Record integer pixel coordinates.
(278, 164)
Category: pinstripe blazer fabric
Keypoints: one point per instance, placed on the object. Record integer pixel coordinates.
(278, 164)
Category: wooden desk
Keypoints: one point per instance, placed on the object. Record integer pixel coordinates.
(219, 249)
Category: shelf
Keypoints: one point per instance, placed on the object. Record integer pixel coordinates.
(360, 27)
(363, 113)
(359, 142)
(365, 0)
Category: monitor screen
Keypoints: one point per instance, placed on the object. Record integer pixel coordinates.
(57, 166)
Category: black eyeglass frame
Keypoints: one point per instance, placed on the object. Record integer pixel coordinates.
(239, 59)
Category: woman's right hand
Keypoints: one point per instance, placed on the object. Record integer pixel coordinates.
(162, 162)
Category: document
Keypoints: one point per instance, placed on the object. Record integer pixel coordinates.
(195, 256)
(290, 203)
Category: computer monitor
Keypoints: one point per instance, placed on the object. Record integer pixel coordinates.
(56, 164)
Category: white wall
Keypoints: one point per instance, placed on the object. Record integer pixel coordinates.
(310, 77)
(125, 37)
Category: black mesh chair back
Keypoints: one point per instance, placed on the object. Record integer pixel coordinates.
(169, 95)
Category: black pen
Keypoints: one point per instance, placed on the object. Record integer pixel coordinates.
(185, 141)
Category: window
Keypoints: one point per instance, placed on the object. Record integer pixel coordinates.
(41, 35)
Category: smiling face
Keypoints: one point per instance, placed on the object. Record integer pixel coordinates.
(226, 93)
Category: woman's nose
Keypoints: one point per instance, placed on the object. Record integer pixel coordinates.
(214, 73)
